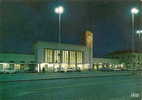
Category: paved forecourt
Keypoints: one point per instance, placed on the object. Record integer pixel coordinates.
(119, 87)
(52, 76)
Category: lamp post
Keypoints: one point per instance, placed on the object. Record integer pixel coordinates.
(59, 10)
(134, 11)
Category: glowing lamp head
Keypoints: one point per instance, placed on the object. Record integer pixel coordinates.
(59, 10)
(134, 11)
(139, 31)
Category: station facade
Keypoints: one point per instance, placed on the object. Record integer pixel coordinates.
(61, 57)
(53, 57)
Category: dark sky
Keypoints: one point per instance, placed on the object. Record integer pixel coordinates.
(24, 23)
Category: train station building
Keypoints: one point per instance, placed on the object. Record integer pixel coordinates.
(53, 57)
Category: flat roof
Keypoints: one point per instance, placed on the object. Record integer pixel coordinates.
(55, 45)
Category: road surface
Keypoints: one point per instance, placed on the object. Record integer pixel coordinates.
(94, 88)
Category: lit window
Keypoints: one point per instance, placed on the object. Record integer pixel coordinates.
(48, 55)
(79, 57)
(57, 56)
(72, 57)
(65, 57)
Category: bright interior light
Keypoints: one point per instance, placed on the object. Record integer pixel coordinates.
(59, 10)
(134, 11)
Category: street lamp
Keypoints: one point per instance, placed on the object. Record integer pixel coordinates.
(134, 11)
(59, 10)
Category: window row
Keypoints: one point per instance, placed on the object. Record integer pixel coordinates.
(63, 56)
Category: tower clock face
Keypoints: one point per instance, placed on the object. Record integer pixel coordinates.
(89, 39)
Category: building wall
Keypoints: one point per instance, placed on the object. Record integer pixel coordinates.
(131, 60)
(18, 62)
(41, 46)
(107, 63)
(11, 61)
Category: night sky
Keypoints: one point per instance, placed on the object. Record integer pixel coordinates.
(24, 23)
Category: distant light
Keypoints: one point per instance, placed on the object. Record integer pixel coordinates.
(139, 31)
(134, 10)
(59, 10)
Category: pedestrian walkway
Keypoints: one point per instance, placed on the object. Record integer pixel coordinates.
(52, 76)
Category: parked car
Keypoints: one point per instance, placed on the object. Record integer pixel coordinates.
(124, 69)
(116, 69)
(78, 69)
(106, 69)
(70, 70)
(9, 72)
(60, 69)
(131, 69)
(28, 71)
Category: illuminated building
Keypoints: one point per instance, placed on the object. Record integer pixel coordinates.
(52, 57)
(16, 61)
(132, 60)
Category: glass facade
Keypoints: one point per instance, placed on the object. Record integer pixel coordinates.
(57, 56)
(48, 55)
(65, 57)
(79, 57)
(70, 57)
